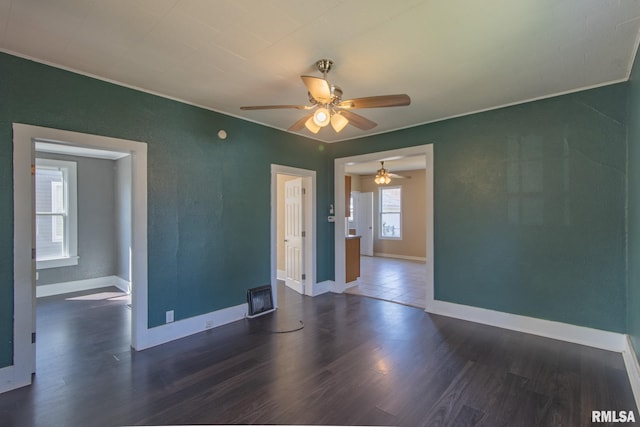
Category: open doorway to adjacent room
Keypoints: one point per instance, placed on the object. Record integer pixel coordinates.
(292, 233)
(80, 245)
(82, 230)
(391, 218)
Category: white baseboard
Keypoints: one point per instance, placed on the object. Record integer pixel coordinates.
(81, 285)
(335, 288)
(9, 379)
(633, 369)
(122, 284)
(597, 338)
(281, 274)
(185, 327)
(407, 257)
(321, 288)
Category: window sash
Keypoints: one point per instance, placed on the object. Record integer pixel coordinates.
(56, 213)
(390, 213)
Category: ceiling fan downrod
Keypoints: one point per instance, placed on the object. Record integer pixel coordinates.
(324, 66)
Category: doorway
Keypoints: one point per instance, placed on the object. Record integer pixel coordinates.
(341, 166)
(293, 223)
(83, 253)
(25, 136)
(82, 199)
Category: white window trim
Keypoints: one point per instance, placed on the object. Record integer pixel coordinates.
(72, 216)
(380, 235)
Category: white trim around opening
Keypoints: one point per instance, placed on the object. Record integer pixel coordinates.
(24, 136)
(309, 182)
(339, 189)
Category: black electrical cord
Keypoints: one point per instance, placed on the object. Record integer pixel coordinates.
(290, 330)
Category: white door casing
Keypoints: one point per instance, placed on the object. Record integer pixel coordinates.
(294, 234)
(339, 200)
(19, 374)
(310, 219)
(365, 221)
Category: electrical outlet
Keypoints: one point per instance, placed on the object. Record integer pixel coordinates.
(169, 316)
(208, 324)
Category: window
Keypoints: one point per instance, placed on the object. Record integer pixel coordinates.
(351, 208)
(56, 214)
(390, 212)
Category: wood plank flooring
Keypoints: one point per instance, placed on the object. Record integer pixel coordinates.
(357, 361)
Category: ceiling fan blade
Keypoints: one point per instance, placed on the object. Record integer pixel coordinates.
(276, 107)
(299, 125)
(377, 101)
(358, 121)
(318, 88)
(395, 175)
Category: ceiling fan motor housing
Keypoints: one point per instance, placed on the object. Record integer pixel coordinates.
(336, 95)
(324, 65)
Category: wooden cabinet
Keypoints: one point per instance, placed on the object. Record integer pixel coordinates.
(352, 257)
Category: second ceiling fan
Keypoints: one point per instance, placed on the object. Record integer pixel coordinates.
(328, 107)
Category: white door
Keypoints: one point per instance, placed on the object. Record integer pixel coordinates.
(365, 223)
(293, 235)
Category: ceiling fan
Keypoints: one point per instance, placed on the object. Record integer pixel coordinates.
(328, 107)
(383, 176)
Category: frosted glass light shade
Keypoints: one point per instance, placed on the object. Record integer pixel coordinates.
(338, 122)
(312, 126)
(321, 117)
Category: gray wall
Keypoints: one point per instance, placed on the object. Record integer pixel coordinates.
(96, 223)
(122, 213)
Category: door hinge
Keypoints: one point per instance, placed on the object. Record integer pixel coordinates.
(33, 253)
(304, 276)
(304, 234)
(33, 337)
(304, 190)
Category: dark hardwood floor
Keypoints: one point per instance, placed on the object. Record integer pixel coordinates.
(356, 361)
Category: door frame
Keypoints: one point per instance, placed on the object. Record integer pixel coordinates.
(339, 200)
(309, 214)
(371, 231)
(24, 136)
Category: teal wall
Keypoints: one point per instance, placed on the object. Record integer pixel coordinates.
(208, 200)
(633, 296)
(530, 200)
(529, 206)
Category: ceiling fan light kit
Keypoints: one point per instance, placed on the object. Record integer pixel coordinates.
(311, 125)
(326, 100)
(382, 176)
(321, 117)
(338, 122)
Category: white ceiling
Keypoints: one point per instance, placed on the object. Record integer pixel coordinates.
(452, 57)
